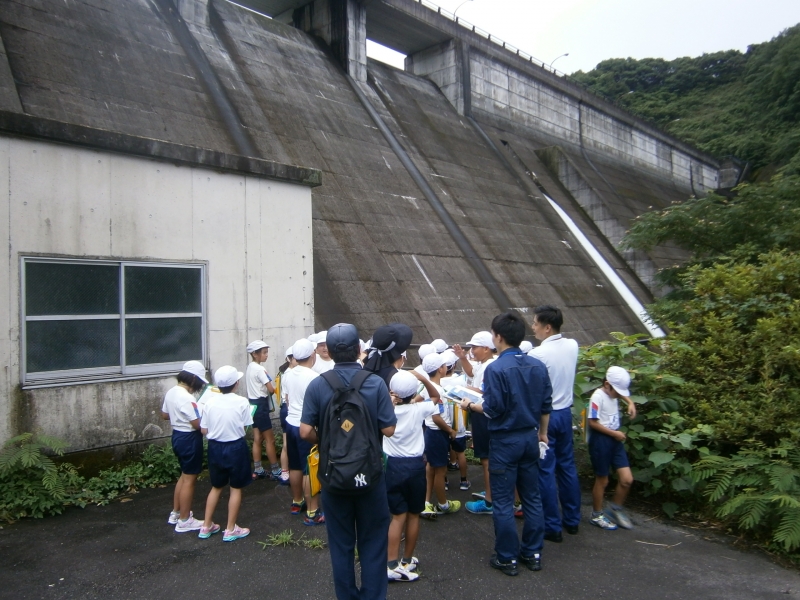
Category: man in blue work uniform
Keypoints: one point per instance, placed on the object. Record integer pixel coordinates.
(516, 399)
(368, 512)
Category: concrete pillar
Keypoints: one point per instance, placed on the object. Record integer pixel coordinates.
(342, 24)
(447, 65)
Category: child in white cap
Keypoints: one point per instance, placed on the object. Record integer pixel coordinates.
(607, 450)
(324, 361)
(405, 471)
(180, 408)
(223, 422)
(260, 389)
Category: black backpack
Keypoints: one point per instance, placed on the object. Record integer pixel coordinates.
(350, 454)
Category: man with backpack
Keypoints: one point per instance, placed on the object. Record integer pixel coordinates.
(347, 411)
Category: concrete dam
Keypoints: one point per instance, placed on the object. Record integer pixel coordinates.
(428, 186)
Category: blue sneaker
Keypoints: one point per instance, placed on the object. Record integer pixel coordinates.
(317, 519)
(478, 507)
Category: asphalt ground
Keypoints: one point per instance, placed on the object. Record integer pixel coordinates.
(127, 550)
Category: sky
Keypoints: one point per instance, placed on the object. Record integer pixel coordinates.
(593, 30)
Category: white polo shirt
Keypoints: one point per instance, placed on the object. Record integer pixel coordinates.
(181, 407)
(295, 387)
(477, 373)
(444, 410)
(321, 366)
(605, 409)
(560, 356)
(408, 439)
(225, 416)
(256, 379)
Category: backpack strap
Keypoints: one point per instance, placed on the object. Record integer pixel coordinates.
(337, 383)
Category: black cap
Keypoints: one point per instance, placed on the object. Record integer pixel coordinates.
(342, 336)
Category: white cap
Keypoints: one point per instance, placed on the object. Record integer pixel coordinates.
(318, 338)
(482, 339)
(620, 380)
(425, 349)
(404, 384)
(432, 362)
(439, 345)
(195, 367)
(303, 348)
(525, 346)
(289, 351)
(226, 376)
(256, 345)
(449, 357)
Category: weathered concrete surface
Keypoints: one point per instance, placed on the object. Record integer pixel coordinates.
(127, 550)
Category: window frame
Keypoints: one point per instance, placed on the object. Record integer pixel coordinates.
(122, 371)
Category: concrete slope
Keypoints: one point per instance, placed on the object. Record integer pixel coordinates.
(381, 253)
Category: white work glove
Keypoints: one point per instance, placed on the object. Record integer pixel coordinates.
(542, 450)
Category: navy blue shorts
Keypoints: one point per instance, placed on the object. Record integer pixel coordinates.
(405, 484)
(437, 447)
(480, 435)
(188, 447)
(229, 463)
(459, 444)
(262, 420)
(283, 412)
(606, 453)
(297, 448)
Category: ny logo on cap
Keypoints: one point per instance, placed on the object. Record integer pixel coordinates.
(347, 425)
(361, 480)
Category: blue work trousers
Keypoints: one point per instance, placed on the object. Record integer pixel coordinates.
(364, 520)
(558, 475)
(514, 463)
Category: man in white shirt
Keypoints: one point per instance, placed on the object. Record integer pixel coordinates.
(297, 448)
(558, 475)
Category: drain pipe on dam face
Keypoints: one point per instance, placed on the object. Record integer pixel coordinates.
(475, 261)
(622, 289)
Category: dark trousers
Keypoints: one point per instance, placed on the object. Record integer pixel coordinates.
(363, 520)
(558, 475)
(514, 463)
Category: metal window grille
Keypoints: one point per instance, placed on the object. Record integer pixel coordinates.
(95, 320)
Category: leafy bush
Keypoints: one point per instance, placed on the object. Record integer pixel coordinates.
(760, 488)
(660, 445)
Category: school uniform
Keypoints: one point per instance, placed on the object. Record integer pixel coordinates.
(405, 464)
(558, 474)
(321, 366)
(256, 380)
(187, 442)
(296, 447)
(516, 393)
(437, 441)
(604, 451)
(225, 417)
(459, 444)
(479, 422)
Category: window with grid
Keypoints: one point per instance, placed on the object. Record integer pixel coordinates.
(86, 320)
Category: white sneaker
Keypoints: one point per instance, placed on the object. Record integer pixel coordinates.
(411, 565)
(615, 514)
(190, 524)
(174, 515)
(400, 573)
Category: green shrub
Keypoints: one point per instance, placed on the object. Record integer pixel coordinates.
(660, 445)
(759, 488)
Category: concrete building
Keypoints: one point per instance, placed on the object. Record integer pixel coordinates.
(434, 207)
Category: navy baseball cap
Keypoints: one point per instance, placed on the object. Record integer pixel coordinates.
(342, 336)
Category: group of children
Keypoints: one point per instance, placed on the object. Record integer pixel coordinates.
(430, 438)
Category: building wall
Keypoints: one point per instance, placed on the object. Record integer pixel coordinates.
(253, 234)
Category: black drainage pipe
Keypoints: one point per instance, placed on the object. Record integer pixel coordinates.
(233, 124)
(475, 261)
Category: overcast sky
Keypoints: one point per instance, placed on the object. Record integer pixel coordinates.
(593, 30)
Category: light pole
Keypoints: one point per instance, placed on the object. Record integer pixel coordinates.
(556, 58)
(459, 6)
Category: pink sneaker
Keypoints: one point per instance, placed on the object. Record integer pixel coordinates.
(234, 534)
(190, 524)
(207, 532)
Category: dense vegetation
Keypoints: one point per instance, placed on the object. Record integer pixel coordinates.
(726, 103)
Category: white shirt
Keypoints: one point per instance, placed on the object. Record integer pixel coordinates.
(459, 422)
(408, 439)
(477, 373)
(256, 379)
(181, 407)
(295, 387)
(210, 391)
(286, 376)
(560, 356)
(605, 409)
(225, 416)
(321, 366)
(444, 410)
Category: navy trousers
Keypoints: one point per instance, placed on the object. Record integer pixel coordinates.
(558, 475)
(514, 463)
(362, 520)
